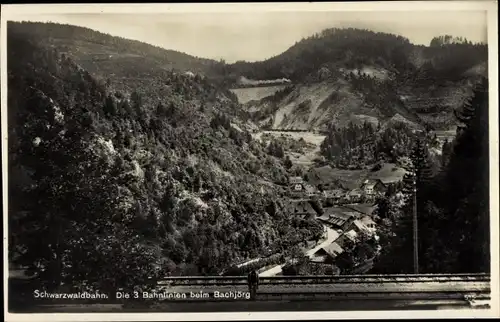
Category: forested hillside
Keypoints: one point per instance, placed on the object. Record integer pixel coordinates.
(352, 48)
(113, 60)
(358, 146)
(335, 72)
(453, 205)
(375, 74)
(109, 187)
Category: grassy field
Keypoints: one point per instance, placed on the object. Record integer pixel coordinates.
(351, 179)
(389, 173)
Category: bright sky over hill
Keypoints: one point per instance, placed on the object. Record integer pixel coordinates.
(253, 36)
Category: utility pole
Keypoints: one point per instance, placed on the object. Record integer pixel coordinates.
(415, 228)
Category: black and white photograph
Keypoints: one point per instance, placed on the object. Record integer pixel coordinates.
(233, 161)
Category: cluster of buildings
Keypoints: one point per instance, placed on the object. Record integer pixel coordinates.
(346, 224)
(368, 191)
(345, 214)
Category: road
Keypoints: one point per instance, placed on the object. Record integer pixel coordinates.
(273, 271)
(250, 261)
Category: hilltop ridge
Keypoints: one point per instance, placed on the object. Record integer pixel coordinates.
(340, 72)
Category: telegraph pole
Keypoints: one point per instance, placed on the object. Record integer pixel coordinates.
(415, 228)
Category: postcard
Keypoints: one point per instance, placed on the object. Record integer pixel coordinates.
(233, 161)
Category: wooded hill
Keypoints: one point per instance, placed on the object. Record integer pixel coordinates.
(392, 74)
(452, 204)
(108, 188)
(115, 61)
(352, 48)
(382, 72)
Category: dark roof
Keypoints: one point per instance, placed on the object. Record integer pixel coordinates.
(342, 212)
(371, 182)
(366, 209)
(337, 215)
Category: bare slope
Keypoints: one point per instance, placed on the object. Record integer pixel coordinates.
(339, 99)
(248, 94)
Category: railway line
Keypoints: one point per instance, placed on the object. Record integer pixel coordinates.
(278, 293)
(430, 287)
(325, 279)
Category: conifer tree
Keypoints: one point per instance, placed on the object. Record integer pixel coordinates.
(467, 189)
(110, 106)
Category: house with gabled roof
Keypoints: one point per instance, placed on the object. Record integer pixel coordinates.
(338, 217)
(296, 186)
(373, 187)
(366, 224)
(309, 190)
(363, 208)
(354, 195)
(301, 208)
(333, 195)
(296, 180)
(327, 254)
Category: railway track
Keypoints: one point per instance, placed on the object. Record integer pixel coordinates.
(354, 292)
(340, 279)
(431, 287)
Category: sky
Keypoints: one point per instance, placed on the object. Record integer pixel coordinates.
(254, 36)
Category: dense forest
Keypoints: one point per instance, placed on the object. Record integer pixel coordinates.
(453, 205)
(358, 146)
(109, 188)
(353, 48)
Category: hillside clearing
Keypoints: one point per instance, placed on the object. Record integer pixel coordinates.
(351, 179)
(248, 94)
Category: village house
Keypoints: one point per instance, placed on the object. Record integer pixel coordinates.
(363, 224)
(309, 191)
(354, 195)
(338, 217)
(301, 189)
(333, 196)
(373, 187)
(363, 208)
(327, 254)
(366, 224)
(301, 208)
(296, 180)
(296, 185)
